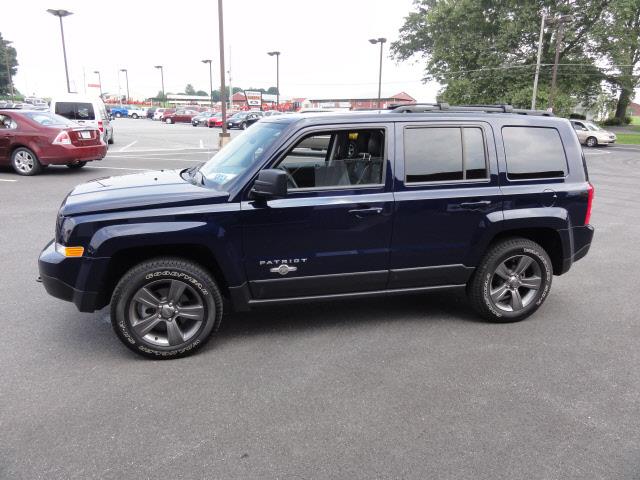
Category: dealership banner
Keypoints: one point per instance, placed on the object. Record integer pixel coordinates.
(254, 99)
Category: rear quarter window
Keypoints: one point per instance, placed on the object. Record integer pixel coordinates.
(76, 110)
(533, 153)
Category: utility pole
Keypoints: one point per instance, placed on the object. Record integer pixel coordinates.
(99, 82)
(230, 87)
(162, 80)
(535, 79)
(224, 135)
(60, 14)
(126, 76)
(210, 81)
(277, 55)
(560, 21)
(381, 41)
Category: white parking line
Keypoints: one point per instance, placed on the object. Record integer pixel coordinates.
(201, 144)
(127, 146)
(7, 180)
(133, 154)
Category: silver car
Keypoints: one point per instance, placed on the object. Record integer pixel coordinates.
(591, 134)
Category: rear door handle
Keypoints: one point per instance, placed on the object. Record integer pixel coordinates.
(365, 212)
(475, 205)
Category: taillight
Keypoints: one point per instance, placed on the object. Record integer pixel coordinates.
(100, 127)
(587, 217)
(63, 138)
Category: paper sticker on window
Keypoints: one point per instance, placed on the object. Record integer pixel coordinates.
(221, 178)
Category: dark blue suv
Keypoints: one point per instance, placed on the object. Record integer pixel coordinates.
(301, 208)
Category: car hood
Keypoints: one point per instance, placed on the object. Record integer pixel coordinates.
(154, 189)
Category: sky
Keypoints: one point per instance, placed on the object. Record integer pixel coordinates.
(324, 46)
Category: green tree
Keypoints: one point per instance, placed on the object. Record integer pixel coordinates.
(617, 36)
(189, 90)
(202, 92)
(485, 52)
(8, 57)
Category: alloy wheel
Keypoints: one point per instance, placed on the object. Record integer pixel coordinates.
(24, 161)
(515, 283)
(166, 313)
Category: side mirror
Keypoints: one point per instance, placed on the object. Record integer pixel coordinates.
(271, 183)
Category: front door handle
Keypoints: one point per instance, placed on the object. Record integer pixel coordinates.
(475, 205)
(365, 212)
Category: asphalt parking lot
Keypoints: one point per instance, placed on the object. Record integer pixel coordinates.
(402, 387)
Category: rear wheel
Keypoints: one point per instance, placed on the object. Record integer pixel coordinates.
(169, 121)
(166, 308)
(76, 165)
(592, 142)
(135, 115)
(110, 141)
(512, 281)
(118, 115)
(25, 162)
(243, 126)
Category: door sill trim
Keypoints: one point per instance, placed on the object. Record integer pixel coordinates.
(337, 296)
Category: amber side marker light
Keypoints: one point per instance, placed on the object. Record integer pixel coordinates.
(69, 251)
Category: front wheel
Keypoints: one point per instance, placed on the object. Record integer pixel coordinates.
(135, 115)
(118, 115)
(512, 280)
(25, 162)
(169, 121)
(592, 142)
(166, 308)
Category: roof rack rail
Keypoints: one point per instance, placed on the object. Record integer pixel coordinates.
(440, 107)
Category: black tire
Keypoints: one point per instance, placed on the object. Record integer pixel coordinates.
(118, 115)
(25, 162)
(160, 275)
(492, 299)
(592, 142)
(110, 141)
(76, 165)
(168, 121)
(243, 126)
(135, 115)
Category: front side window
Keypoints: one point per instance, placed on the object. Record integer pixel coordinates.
(340, 158)
(534, 152)
(444, 154)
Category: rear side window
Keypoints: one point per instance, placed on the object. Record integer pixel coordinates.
(443, 154)
(75, 110)
(534, 152)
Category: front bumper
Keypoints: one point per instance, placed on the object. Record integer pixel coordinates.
(77, 280)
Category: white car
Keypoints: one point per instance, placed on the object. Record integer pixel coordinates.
(157, 115)
(136, 112)
(591, 134)
(84, 111)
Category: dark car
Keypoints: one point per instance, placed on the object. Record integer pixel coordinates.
(151, 111)
(242, 120)
(32, 140)
(329, 206)
(202, 119)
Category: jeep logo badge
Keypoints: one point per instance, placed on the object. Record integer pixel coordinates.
(283, 269)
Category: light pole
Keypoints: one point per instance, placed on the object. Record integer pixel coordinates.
(159, 67)
(560, 22)
(537, 75)
(99, 81)
(60, 14)
(210, 80)
(277, 54)
(126, 76)
(224, 136)
(381, 41)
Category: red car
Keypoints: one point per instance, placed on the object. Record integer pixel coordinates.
(32, 140)
(179, 116)
(216, 120)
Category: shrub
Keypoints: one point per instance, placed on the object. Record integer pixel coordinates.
(613, 121)
(578, 116)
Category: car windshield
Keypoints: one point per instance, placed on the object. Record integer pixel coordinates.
(240, 153)
(592, 126)
(48, 119)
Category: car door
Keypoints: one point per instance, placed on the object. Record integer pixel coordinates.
(447, 198)
(581, 130)
(6, 132)
(333, 229)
